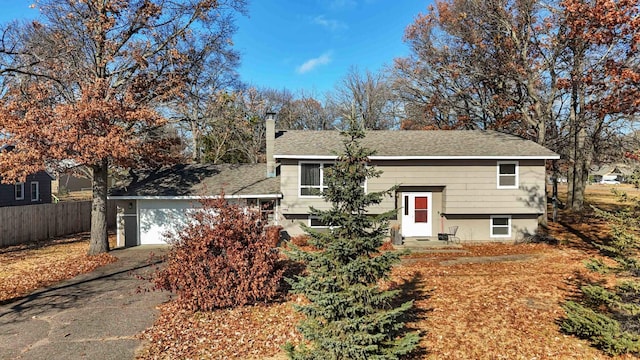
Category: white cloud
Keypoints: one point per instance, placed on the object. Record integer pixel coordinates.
(330, 24)
(311, 64)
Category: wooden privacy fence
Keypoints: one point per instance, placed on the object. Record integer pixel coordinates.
(30, 223)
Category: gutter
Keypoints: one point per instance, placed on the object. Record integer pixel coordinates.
(376, 157)
(191, 197)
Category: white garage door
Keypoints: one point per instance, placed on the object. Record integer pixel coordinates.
(157, 217)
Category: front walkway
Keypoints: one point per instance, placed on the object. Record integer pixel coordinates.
(92, 316)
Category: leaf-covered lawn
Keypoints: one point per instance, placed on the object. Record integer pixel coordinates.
(467, 306)
(485, 310)
(496, 301)
(25, 268)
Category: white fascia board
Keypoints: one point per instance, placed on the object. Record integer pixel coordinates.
(379, 157)
(258, 196)
(306, 157)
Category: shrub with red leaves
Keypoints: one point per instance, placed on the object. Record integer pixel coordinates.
(221, 258)
(273, 234)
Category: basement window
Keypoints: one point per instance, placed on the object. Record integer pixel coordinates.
(500, 226)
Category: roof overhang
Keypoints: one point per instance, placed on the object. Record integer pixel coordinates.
(378, 157)
(193, 197)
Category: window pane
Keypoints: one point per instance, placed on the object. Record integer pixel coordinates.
(421, 216)
(421, 203)
(310, 174)
(310, 191)
(315, 222)
(508, 169)
(500, 231)
(507, 180)
(500, 221)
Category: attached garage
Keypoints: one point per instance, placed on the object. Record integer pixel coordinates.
(160, 202)
(159, 217)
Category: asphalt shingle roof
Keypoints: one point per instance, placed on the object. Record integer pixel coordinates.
(428, 143)
(202, 180)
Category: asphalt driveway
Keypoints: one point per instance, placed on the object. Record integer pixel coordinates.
(92, 316)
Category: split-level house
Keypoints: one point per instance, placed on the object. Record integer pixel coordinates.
(489, 184)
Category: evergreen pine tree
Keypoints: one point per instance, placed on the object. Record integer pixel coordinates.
(348, 315)
(610, 317)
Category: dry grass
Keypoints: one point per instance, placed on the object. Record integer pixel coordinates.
(75, 196)
(25, 268)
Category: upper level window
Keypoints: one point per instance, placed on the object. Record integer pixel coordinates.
(19, 191)
(35, 191)
(507, 174)
(312, 178)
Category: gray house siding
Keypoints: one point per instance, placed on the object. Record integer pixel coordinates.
(470, 186)
(43, 181)
(464, 193)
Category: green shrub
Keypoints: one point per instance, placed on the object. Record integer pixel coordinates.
(603, 331)
(348, 316)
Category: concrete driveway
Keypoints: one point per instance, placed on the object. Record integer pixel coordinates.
(92, 316)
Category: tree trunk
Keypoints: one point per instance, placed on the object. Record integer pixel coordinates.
(99, 240)
(196, 141)
(581, 176)
(579, 170)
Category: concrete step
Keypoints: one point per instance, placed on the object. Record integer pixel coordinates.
(429, 245)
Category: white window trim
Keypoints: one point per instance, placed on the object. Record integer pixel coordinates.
(322, 186)
(508, 226)
(517, 174)
(15, 191)
(37, 184)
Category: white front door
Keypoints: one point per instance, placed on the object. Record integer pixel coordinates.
(416, 214)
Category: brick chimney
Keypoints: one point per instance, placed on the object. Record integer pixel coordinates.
(271, 139)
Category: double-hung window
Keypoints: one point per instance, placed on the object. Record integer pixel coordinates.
(19, 191)
(500, 226)
(507, 175)
(312, 178)
(35, 191)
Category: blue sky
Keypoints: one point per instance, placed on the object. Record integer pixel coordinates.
(306, 45)
(311, 44)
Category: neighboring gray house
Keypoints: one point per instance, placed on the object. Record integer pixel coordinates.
(36, 189)
(489, 184)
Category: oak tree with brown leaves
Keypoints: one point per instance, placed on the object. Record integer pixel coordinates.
(84, 85)
(563, 73)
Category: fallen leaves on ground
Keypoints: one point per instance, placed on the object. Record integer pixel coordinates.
(499, 310)
(503, 307)
(247, 332)
(488, 310)
(25, 268)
